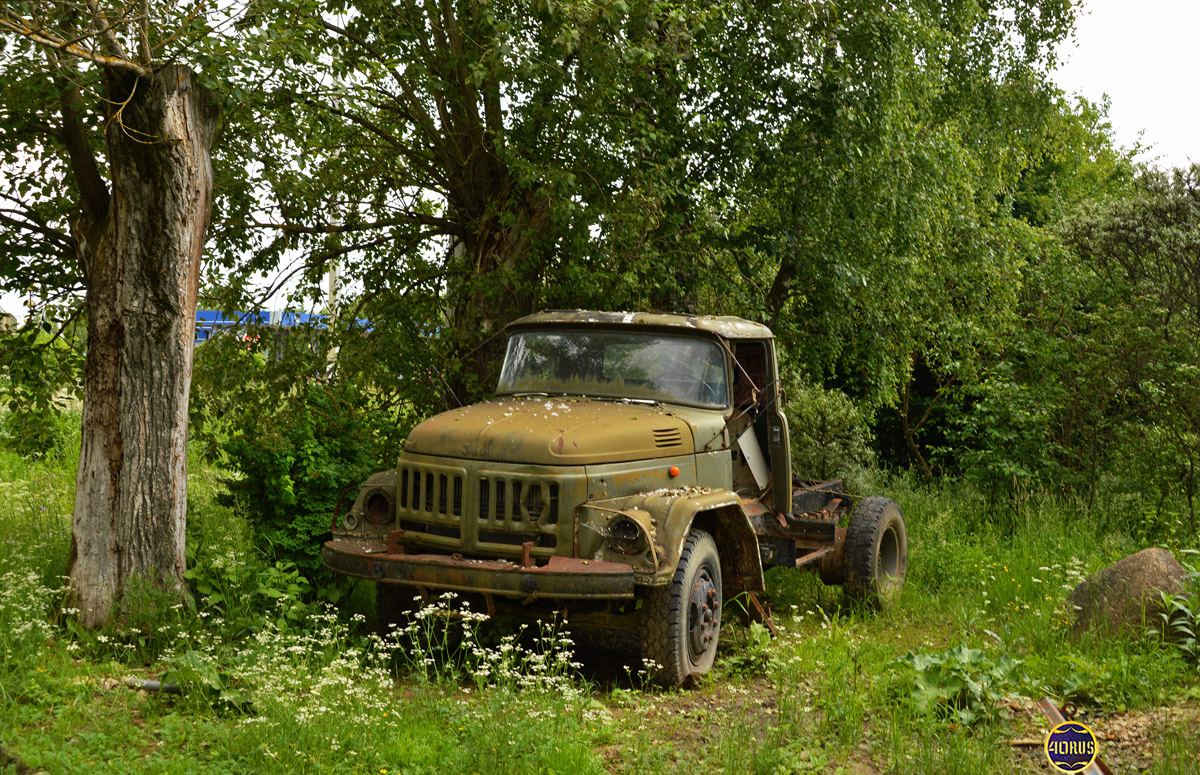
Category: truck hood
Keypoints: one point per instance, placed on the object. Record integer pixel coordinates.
(553, 431)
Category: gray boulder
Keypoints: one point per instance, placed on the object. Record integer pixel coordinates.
(1124, 597)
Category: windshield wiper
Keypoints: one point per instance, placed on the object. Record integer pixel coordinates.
(627, 400)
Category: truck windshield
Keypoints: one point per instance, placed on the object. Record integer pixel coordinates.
(616, 364)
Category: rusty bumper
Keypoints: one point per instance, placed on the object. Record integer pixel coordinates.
(562, 578)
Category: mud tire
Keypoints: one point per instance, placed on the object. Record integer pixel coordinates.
(876, 552)
(674, 627)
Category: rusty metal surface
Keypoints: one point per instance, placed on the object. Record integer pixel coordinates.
(334, 522)
(1056, 717)
(722, 325)
(741, 560)
(554, 430)
(560, 578)
(812, 556)
(393, 542)
(672, 513)
(832, 565)
(758, 613)
(382, 481)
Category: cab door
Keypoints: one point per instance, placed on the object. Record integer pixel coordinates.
(758, 393)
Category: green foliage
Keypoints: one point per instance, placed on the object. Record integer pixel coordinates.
(1175, 749)
(1003, 434)
(871, 213)
(1117, 675)
(294, 460)
(318, 694)
(282, 585)
(224, 564)
(828, 435)
(25, 624)
(228, 590)
(1092, 390)
(753, 656)
(1181, 615)
(204, 678)
(964, 683)
(228, 377)
(845, 173)
(40, 374)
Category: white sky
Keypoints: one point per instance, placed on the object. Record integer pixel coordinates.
(1139, 54)
(1142, 54)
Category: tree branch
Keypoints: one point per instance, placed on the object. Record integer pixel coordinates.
(61, 329)
(397, 144)
(93, 193)
(928, 409)
(145, 50)
(444, 225)
(27, 224)
(316, 260)
(416, 113)
(106, 32)
(115, 63)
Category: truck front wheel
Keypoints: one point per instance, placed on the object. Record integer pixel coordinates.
(394, 606)
(682, 620)
(876, 553)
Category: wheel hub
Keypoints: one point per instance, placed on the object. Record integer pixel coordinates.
(703, 604)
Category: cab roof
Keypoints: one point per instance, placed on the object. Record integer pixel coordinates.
(725, 326)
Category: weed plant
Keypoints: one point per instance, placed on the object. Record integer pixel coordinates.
(1180, 616)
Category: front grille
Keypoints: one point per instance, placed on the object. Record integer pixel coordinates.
(408, 526)
(487, 506)
(509, 500)
(667, 437)
(427, 492)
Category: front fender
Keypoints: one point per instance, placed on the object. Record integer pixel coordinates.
(665, 517)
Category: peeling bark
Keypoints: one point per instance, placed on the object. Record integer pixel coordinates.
(141, 259)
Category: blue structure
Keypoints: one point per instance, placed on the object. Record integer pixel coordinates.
(209, 322)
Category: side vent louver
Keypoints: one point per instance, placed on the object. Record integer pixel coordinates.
(667, 437)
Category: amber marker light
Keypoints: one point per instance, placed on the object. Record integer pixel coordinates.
(673, 471)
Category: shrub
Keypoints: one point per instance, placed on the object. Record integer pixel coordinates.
(38, 378)
(828, 434)
(228, 376)
(294, 461)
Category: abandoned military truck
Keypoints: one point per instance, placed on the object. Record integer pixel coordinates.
(633, 472)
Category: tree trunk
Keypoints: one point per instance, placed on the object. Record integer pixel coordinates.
(141, 260)
(910, 432)
(501, 277)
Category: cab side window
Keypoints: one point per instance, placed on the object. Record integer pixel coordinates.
(753, 359)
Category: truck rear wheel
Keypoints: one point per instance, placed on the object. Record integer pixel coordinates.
(682, 620)
(876, 552)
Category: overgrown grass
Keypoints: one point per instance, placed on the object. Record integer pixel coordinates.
(274, 683)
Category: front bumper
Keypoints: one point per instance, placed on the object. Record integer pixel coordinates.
(562, 578)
